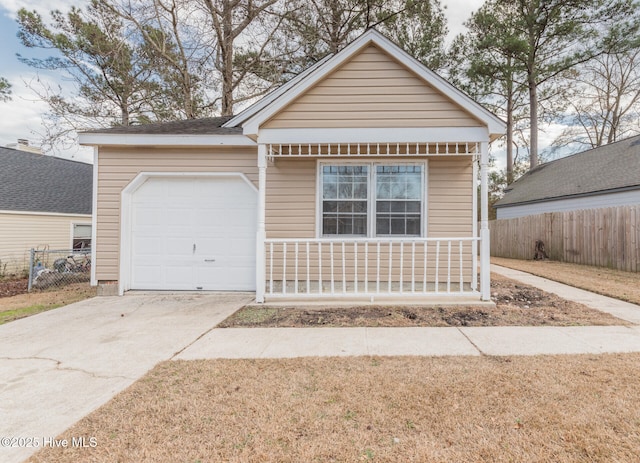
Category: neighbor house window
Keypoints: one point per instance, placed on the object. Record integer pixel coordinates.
(372, 199)
(81, 236)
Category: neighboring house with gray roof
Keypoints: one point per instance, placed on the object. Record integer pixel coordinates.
(45, 202)
(607, 176)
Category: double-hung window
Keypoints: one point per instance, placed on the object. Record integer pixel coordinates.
(372, 199)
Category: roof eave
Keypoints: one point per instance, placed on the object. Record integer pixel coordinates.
(120, 139)
(497, 205)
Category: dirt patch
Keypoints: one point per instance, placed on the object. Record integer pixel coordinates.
(516, 305)
(23, 305)
(608, 282)
(11, 287)
(408, 409)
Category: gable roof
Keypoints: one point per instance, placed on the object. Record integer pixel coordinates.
(252, 117)
(606, 169)
(36, 183)
(236, 130)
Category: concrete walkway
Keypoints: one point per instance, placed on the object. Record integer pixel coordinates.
(306, 342)
(58, 366)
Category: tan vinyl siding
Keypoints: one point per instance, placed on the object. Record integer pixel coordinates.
(372, 90)
(291, 199)
(118, 166)
(21, 232)
(450, 204)
(291, 213)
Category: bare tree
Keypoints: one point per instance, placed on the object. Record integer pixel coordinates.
(604, 102)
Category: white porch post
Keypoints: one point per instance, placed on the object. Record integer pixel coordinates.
(261, 234)
(474, 244)
(485, 269)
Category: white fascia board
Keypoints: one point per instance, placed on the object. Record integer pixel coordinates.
(52, 214)
(121, 139)
(495, 125)
(385, 135)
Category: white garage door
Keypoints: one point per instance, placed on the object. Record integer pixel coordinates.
(194, 234)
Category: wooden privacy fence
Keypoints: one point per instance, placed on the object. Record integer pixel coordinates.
(608, 237)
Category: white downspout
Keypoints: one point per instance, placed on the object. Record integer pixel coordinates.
(485, 249)
(261, 234)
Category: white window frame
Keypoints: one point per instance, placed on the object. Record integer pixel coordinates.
(371, 200)
(73, 226)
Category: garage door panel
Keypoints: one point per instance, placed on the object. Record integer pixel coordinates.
(171, 215)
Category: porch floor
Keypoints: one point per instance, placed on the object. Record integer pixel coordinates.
(350, 301)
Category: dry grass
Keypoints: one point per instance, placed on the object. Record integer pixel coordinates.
(524, 409)
(614, 283)
(23, 305)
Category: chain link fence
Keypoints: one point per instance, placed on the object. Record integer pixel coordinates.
(54, 269)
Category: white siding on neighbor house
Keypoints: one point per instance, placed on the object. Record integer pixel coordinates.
(623, 198)
(19, 232)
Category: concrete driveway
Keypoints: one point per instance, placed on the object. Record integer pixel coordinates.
(58, 366)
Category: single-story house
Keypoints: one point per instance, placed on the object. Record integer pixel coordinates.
(357, 178)
(45, 203)
(607, 176)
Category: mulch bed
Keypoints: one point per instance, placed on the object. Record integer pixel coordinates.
(516, 305)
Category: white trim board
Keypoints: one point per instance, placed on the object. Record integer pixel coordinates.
(355, 135)
(55, 214)
(122, 139)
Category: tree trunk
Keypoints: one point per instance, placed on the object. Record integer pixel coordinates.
(226, 48)
(509, 135)
(533, 115)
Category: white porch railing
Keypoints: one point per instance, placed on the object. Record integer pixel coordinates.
(371, 267)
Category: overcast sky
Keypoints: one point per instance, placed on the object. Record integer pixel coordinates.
(21, 117)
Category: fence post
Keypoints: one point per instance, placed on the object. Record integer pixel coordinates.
(32, 254)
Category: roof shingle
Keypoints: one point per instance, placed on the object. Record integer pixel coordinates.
(611, 167)
(36, 183)
(205, 126)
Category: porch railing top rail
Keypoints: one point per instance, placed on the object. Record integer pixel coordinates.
(382, 239)
(371, 149)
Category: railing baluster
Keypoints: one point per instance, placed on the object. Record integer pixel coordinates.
(449, 266)
(308, 277)
(355, 267)
(401, 266)
(424, 273)
(331, 263)
(270, 268)
(413, 266)
(461, 277)
(295, 281)
(437, 282)
(378, 270)
(284, 268)
(319, 267)
(366, 266)
(390, 265)
(344, 273)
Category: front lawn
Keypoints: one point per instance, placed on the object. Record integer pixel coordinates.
(397, 409)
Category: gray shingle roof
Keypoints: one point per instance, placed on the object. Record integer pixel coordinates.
(205, 126)
(38, 183)
(608, 168)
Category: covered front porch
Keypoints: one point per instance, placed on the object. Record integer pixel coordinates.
(425, 262)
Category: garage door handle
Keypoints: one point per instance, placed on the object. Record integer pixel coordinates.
(209, 260)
